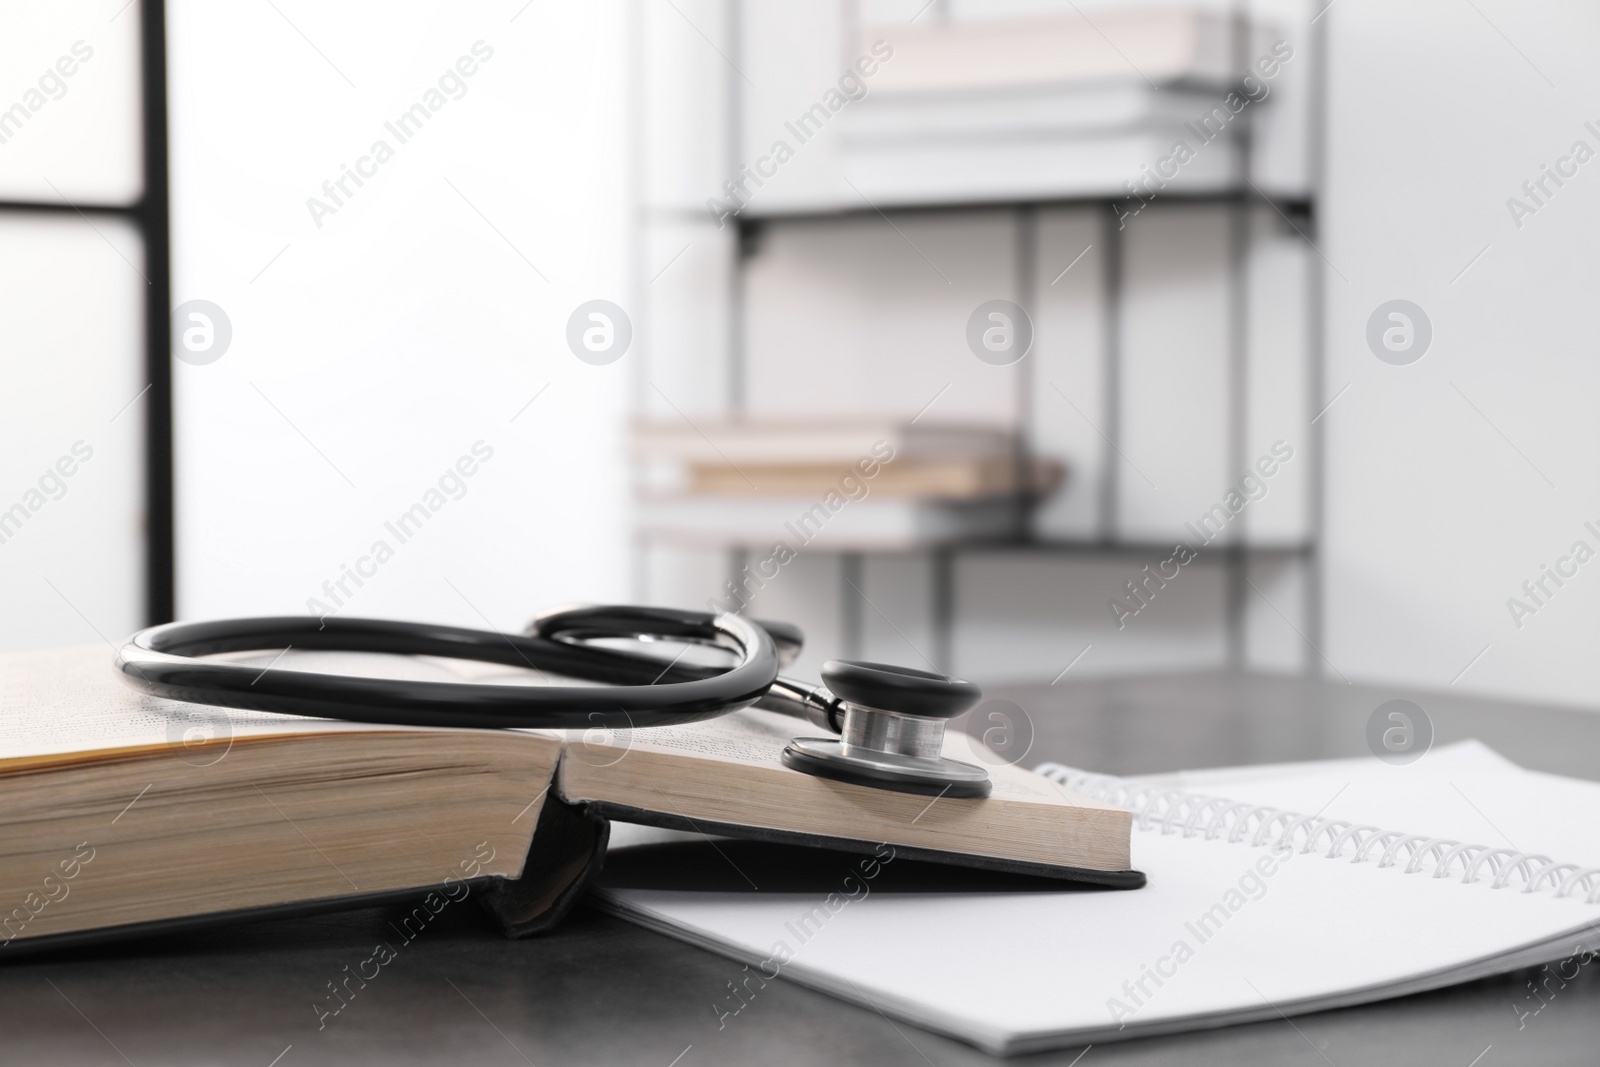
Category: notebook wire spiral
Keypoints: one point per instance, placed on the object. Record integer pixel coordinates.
(1176, 811)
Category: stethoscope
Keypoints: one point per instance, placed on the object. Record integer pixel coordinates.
(890, 721)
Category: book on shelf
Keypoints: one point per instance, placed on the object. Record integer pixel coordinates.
(843, 441)
(842, 484)
(952, 479)
(1051, 106)
(1042, 143)
(127, 814)
(1176, 44)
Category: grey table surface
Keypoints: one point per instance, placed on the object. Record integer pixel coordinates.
(601, 991)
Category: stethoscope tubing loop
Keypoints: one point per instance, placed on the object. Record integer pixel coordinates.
(159, 661)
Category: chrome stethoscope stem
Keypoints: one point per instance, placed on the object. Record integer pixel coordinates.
(804, 700)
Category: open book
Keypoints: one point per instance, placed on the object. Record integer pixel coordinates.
(123, 812)
(1272, 892)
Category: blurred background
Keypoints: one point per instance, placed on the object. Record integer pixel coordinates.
(1029, 340)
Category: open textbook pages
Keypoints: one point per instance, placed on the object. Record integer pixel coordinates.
(1317, 888)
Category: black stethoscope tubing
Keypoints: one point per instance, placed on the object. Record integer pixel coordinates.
(642, 691)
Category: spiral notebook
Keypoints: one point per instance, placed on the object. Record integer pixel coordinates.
(1272, 892)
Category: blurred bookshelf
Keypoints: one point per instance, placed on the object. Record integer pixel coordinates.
(1035, 127)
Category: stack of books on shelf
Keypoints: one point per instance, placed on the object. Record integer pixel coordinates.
(843, 484)
(1050, 106)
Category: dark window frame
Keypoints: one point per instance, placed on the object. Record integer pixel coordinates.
(150, 216)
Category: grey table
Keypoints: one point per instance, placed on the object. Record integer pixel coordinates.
(600, 991)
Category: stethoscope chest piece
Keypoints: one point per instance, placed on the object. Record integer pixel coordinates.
(893, 732)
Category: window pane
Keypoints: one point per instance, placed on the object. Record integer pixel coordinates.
(69, 102)
(71, 431)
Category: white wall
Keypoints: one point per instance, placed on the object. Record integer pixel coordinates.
(1451, 480)
(371, 351)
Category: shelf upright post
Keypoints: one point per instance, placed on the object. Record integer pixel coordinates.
(1111, 378)
(735, 382)
(1239, 233)
(852, 637)
(1316, 313)
(638, 222)
(1026, 384)
(736, 356)
(944, 608)
(1238, 419)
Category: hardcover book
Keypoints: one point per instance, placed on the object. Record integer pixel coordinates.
(123, 814)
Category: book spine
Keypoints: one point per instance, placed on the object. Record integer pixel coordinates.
(564, 858)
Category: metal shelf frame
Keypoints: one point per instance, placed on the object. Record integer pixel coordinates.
(753, 221)
(1241, 198)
